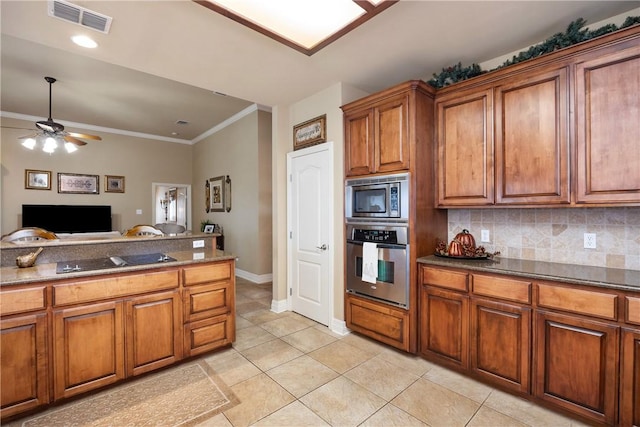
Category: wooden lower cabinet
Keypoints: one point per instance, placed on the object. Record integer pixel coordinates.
(501, 343)
(379, 321)
(153, 331)
(24, 372)
(577, 365)
(444, 326)
(630, 378)
(88, 348)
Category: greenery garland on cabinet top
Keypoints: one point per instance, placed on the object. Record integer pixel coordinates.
(575, 34)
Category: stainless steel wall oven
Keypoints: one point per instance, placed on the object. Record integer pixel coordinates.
(391, 245)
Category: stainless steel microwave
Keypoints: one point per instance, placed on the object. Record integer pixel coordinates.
(383, 197)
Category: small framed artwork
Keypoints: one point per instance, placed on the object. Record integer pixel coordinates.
(113, 184)
(37, 180)
(216, 196)
(310, 133)
(76, 183)
(209, 228)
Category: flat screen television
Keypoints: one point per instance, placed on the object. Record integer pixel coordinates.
(67, 218)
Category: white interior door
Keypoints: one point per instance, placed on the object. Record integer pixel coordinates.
(310, 250)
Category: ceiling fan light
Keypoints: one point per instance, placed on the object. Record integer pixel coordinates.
(70, 147)
(50, 145)
(29, 143)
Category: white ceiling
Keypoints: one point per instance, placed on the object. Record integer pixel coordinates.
(162, 60)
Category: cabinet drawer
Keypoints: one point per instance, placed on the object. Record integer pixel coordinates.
(207, 273)
(632, 310)
(598, 304)
(204, 301)
(502, 288)
(208, 334)
(22, 300)
(445, 279)
(113, 287)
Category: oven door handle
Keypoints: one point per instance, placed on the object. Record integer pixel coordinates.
(380, 245)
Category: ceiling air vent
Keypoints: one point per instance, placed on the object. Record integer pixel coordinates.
(79, 15)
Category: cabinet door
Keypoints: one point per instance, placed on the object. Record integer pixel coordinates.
(501, 343)
(359, 145)
(465, 150)
(630, 378)
(576, 365)
(444, 326)
(88, 348)
(532, 139)
(153, 332)
(392, 135)
(24, 372)
(608, 125)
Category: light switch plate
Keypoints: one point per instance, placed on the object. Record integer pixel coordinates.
(484, 236)
(198, 244)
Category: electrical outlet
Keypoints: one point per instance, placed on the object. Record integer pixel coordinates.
(138, 211)
(590, 240)
(484, 236)
(198, 243)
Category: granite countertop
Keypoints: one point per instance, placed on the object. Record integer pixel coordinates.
(47, 272)
(611, 278)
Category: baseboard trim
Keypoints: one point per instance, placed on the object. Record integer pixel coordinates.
(255, 278)
(339, 327)
(279, 306)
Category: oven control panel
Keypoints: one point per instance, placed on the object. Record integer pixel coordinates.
(381, 236)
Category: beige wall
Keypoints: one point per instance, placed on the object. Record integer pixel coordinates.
(140, 161)
(241, 150)
(327, 101)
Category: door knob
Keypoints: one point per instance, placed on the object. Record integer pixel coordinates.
(323, 247)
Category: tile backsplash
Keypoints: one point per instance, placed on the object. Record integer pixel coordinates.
(556, 235)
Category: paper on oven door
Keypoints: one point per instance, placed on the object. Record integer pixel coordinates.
(369, 262)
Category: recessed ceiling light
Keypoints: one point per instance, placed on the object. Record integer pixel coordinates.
(84, 41)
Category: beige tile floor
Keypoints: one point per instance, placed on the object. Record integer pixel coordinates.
(290, 371)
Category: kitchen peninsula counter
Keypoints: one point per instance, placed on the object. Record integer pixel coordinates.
(610, 278)
(179, 247)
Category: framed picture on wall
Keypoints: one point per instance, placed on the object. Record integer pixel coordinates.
(310, 133)
(114, 184)
(78, 183)
(216, 194)
(37, 180)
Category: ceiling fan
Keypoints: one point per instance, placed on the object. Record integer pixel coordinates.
(51, 132)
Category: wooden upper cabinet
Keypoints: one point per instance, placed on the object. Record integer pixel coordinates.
(391, 135)
(378, 130)
(465, 149)
(532, 139)
(359, 150)
(608, 127)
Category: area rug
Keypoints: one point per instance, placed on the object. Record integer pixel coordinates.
(181, 396)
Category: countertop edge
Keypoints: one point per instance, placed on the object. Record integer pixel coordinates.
(507, 266)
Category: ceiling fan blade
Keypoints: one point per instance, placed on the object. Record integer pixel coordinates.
(33, 135)
(85, 136)
(73, 140)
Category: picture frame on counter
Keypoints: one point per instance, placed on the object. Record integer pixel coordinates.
(216, 194)
(75, 183)
(310, 133)
(209, 228)
(113, 184)
(37, 179)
